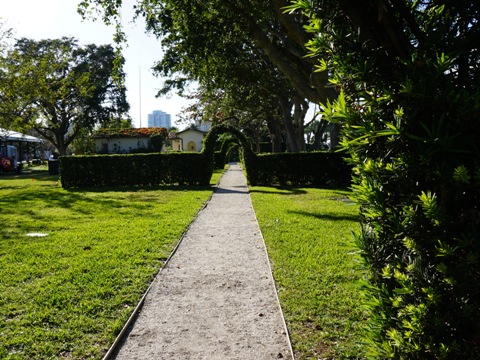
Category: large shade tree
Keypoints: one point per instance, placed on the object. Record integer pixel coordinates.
(60, 89)
(205, 40)
(409, 74)
(220, 54)
(243, 85)
(282, 37)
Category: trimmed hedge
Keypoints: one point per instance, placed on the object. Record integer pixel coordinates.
(134, 170)
(220, 158)
(299, 169)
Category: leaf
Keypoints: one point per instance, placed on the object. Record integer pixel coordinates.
(460, 175)
(431, 209)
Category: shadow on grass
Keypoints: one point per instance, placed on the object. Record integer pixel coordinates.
(46, 197)
(291, 190)
(280, 190)
(36, 175)
(327, 216)
(135, 189)
(49, 196)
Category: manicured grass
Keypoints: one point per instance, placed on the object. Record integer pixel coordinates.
(67, 294)
(308, 236)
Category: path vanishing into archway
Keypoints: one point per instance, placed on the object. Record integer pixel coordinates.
(215, 299)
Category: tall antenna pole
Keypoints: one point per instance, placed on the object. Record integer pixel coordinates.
(140, 92)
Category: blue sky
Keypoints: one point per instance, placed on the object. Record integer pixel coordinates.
(36, 19)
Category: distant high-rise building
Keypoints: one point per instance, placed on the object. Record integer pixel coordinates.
(159, 119)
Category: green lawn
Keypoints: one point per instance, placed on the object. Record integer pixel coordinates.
(316, 268)
(68, 294)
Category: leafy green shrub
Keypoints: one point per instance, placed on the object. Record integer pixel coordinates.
(143, 169)
(157, 141)
(410, 109)
(232, 153)
(134, 170)
(315, 168)
(218, 160)
(220, 154)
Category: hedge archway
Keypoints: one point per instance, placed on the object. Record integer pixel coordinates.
(216, 131)
(232, 150)
(208, 151)
(223, 150)
(297, 169)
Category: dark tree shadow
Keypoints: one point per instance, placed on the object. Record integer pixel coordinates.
(280, 190)
(327, 216)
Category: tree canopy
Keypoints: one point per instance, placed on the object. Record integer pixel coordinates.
(203, 25)
(241, 49)
(59, 88)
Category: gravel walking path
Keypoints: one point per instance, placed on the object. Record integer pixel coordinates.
(215, 299)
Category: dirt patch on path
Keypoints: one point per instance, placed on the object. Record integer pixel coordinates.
(215, 299)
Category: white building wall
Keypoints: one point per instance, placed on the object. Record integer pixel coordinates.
(119, 145)
(187, 137)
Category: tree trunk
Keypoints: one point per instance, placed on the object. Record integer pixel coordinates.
(286, 107)
(334, 136)
(322, 126)
(301, 108)
(60, 145)
(301, 72)
(275, 133)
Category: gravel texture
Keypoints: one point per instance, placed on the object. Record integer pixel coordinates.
(215, 299)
